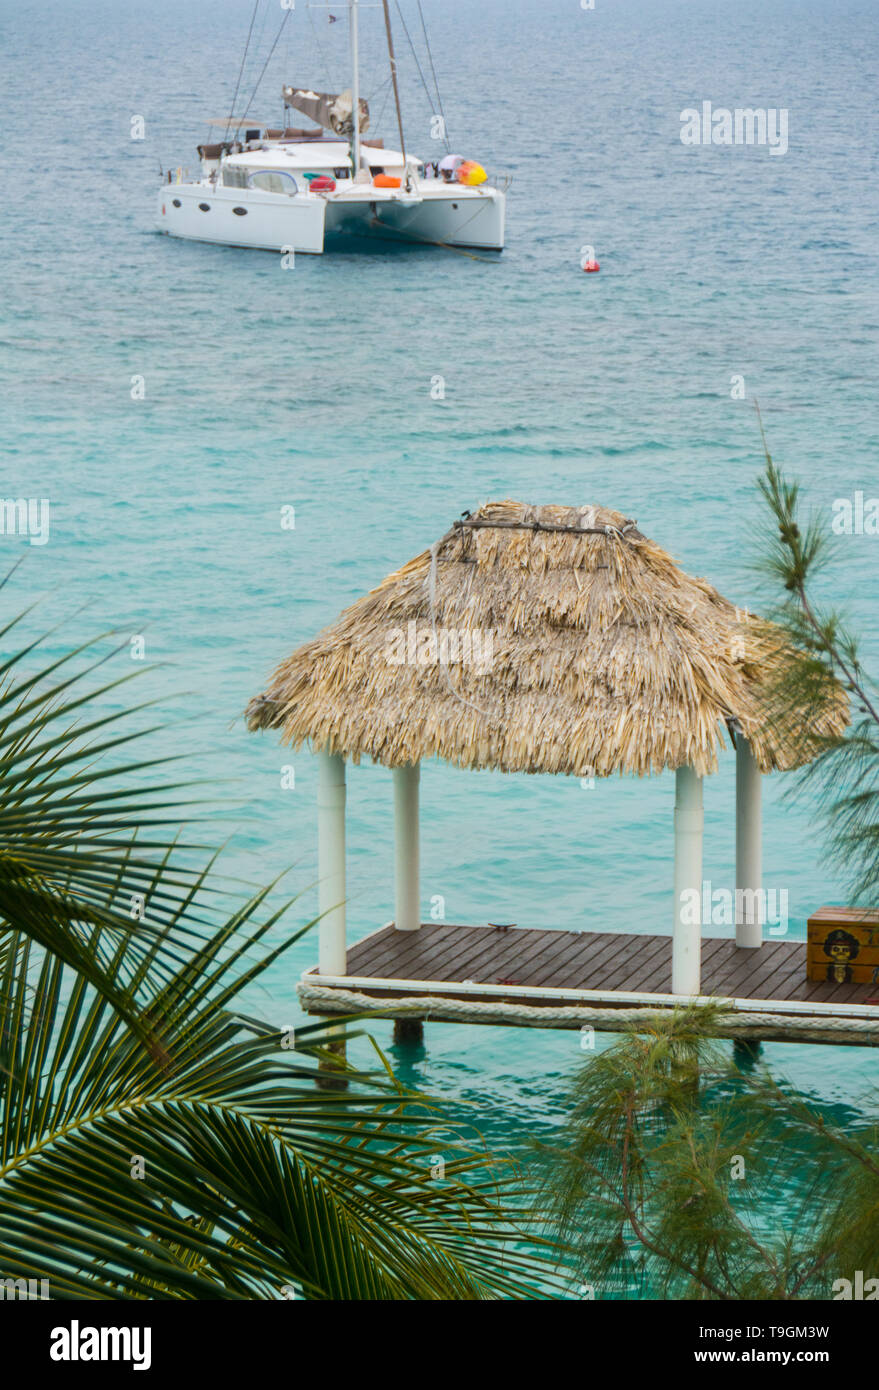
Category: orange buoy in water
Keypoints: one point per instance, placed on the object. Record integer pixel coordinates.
(591, 265)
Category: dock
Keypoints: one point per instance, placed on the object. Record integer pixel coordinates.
(550, 978)
(563, 641)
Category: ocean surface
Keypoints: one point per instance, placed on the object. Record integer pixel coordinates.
(265, 388)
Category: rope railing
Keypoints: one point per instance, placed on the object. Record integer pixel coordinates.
(324, 999)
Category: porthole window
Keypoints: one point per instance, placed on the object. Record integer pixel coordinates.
(177, 203)
(205, 207)
(240, 212)
(455, 207)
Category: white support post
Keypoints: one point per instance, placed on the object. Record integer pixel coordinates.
(407, 913)
(687, 939)
(331, 862)
(749, 851)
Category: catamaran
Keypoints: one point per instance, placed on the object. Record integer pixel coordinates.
(287, 189)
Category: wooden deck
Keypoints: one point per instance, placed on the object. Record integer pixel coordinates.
(551, 969)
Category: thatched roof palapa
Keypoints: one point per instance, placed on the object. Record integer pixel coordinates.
(542, 639)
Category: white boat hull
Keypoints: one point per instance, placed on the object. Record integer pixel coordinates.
(470, 217)
(250, 217)
(263, 221)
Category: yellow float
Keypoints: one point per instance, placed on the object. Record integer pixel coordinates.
(470, 172)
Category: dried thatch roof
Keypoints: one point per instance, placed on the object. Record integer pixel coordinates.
(509, 644)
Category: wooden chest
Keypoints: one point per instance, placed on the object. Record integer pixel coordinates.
(844, 946)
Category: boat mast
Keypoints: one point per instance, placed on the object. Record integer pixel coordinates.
(355, 90)
(396, 89)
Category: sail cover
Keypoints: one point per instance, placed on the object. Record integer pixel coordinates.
(334, 113)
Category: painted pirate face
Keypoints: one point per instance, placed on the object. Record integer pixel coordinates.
(841, 947)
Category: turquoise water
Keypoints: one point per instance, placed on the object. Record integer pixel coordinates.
(311, 388)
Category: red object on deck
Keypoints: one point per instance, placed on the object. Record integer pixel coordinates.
(323, 184)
